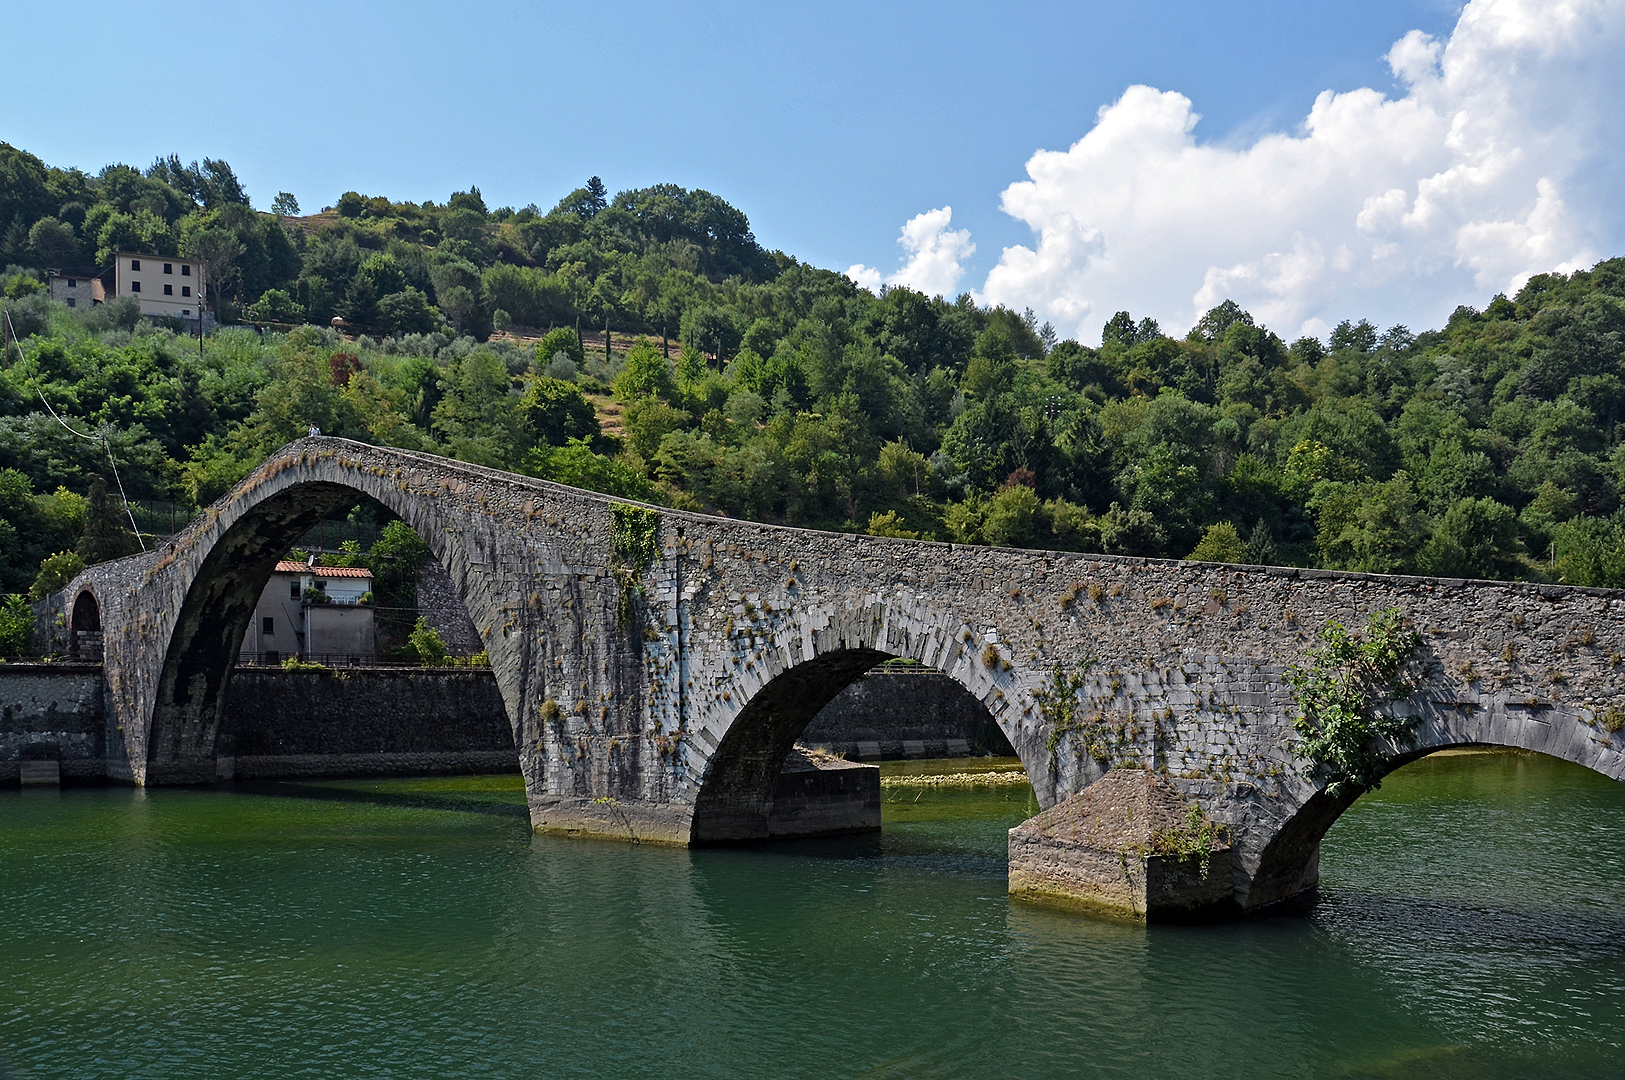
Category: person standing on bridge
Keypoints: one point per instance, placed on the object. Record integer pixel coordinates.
(314, 431)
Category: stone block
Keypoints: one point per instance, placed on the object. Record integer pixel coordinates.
(1111, 851)
(39, 773)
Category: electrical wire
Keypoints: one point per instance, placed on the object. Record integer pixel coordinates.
(107, 449)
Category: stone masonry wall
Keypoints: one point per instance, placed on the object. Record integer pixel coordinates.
(368, 721)
(928, 708)
(443, 610)
(51, 711)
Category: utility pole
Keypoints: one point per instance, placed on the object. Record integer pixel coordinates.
(202, 295)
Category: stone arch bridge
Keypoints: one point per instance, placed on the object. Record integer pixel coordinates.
(659, 702)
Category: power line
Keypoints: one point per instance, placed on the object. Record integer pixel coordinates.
(107, 449)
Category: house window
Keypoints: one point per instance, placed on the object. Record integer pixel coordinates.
(135, 264)
(186, 290)
(169, 268)
(72, 283)
(135, 286)
(268, 626)
(293, 590)
(186, 311)
(186, 270)
(169, 290)
(72, 302)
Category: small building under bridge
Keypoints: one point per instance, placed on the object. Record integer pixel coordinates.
(319, 613)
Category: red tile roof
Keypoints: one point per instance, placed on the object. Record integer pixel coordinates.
(287, 566)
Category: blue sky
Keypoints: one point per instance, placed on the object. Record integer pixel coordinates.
(830, 125)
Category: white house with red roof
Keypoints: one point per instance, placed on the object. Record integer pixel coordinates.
(317, 613)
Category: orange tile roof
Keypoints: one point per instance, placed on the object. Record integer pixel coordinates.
(287, 566)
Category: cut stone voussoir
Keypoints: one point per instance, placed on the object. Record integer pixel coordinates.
(1106, 850)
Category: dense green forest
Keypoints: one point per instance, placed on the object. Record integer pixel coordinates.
(768, 389)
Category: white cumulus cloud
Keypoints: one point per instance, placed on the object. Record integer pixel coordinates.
(934, 256)
(1500, 156)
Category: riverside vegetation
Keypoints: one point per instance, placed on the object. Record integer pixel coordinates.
(747, 383)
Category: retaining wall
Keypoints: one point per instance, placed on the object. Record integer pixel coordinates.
(52, 712)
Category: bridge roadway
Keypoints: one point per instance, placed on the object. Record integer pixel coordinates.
(660, 702)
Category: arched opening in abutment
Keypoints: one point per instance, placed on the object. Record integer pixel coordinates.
(1289, 867)
(85, 628)
(759, 786)
(212, 721)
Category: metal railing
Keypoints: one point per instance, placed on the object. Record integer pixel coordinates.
(273, 659)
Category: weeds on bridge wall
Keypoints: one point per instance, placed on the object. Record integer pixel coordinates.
(634, 534)
(1058, 705)
(1343, 694)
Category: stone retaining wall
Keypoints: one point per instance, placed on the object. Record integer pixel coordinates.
(371, 721)
(52, 712)
(403, 721)
(923, 711)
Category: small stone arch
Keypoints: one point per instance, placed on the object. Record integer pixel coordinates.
(85, 627)
(1288, 863)
(734, 795)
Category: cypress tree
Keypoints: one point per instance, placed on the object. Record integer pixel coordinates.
(105, 536)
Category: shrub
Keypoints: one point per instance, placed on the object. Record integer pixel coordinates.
(16, 625)
(55, 571)
(426, 641)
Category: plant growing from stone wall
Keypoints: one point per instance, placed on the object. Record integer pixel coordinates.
(1343, 694)
(634, 533)
(1058, 705)
(1196, 836)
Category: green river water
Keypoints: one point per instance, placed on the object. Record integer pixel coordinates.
(1471, 924)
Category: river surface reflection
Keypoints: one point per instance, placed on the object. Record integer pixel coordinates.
(1471, 925)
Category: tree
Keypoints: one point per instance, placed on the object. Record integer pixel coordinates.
(1477, 538)
(575, 464)
(285, 205)
(276, 306)
(597, 194)
(106, 536)
(16, 625)
(646, 373)
(53, 244)
(1220, 543)
(395, 560)
(24, 196)
(556, 412)
(1370, 528)
(55, 571)
(218, 250)
(407, 312)
(427, 643)
(558, 342)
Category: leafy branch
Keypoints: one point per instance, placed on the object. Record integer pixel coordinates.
(1343, 694)
(634, 534)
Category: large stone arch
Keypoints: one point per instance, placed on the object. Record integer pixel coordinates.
(219, 600)
(173, 634)
(767, 692)
(1287, 857)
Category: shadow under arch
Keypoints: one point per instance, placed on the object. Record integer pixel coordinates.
(735, 802)
(202, 650)
(1289, 864)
